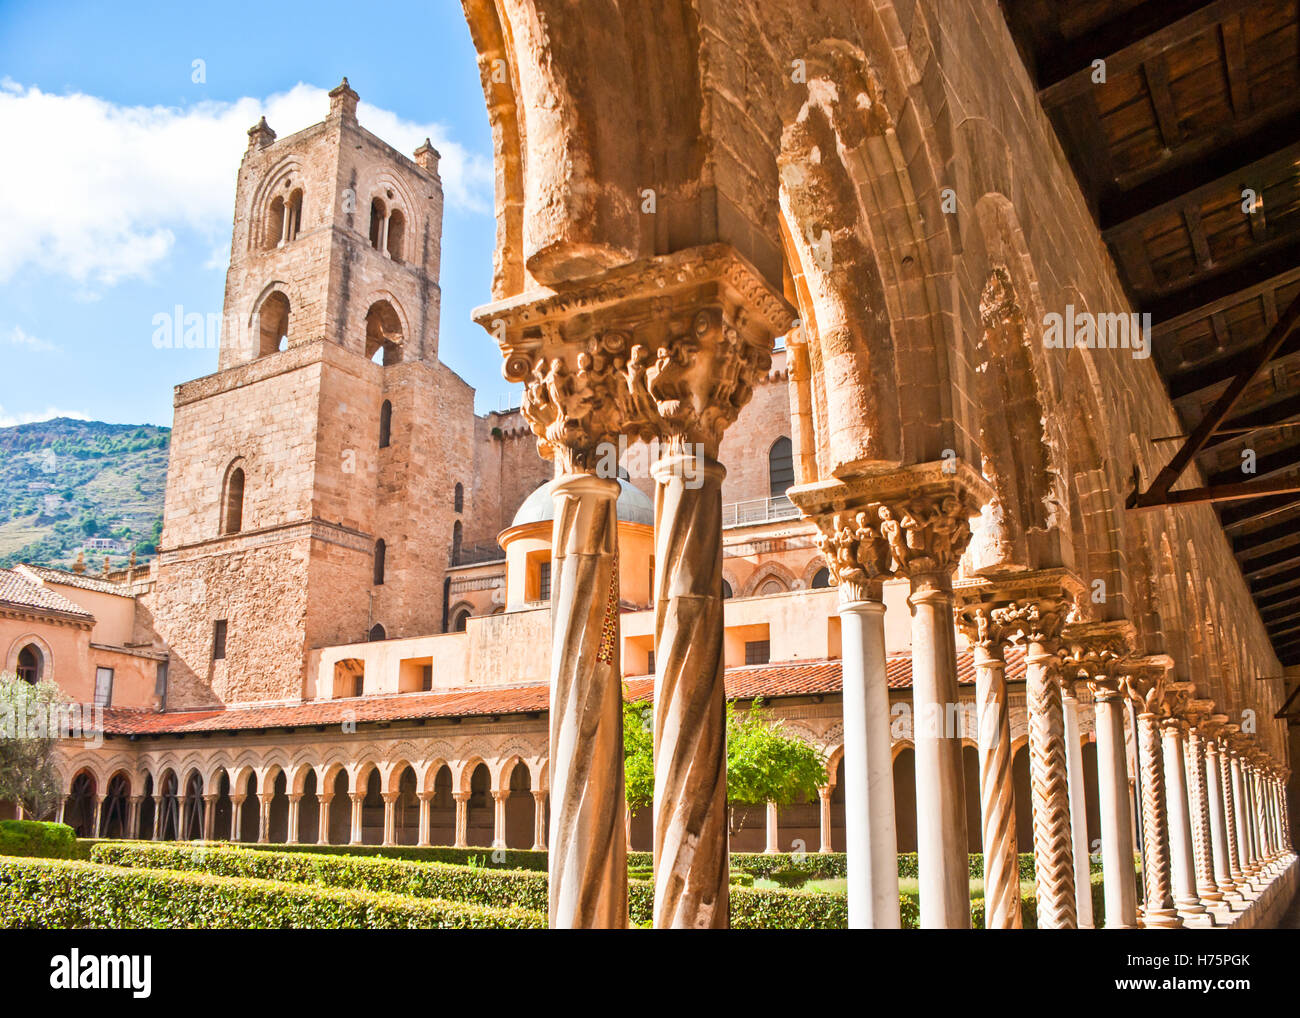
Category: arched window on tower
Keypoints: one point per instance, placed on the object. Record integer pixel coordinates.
(821, 578)
(396, 234)
(376, 634)
(232, 503)
(378, 213)
(273, 324)
(458, 498)
(275, 223)
(780, 467)
(381, 553)
(293, 211)
(383, 334)
(31, 664)
(385, 424)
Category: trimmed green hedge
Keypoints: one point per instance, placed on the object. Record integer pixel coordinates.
(487, 858)
(67, 894)
(37, 838)
(493, 888)
(750, 908)
(909, 868)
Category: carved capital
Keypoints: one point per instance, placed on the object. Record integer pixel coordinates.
(856, 554)
(668, 347)
(908, 522)
(1095, 651)
(1028, 607)
(1147, 682)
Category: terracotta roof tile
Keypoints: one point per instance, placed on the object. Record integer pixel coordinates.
(21, 592)
(796, 678)
(68, 578)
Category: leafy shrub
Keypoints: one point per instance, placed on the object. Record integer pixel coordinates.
(482, 886)
(37, 838)
(791, 876)
(739, 878)
(488, 858)
(66, 894)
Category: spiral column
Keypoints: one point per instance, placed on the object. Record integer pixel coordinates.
(588, 857)
(1207, 889)
(1158, 909)
(690, 730)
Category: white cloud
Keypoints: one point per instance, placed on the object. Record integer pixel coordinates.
(103, 191)
(17, 337)
(8, 420)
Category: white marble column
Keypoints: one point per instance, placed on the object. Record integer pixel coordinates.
(236, 811)
(943, 862)
(587, 862)
(539, 820)
(690, 738)
(133, 824)
(295, 805)
(1220, 824)
(358, 802)
(425, 798)
(323, 800)
(824, 815)
(462, 818)
(1181, 850)
(210, 817)
(390, 817)
(264, 817)
(1238, 811)
(772, 842)
(1078, 806)
(499, 797)
(871, 838)
(1118, 872)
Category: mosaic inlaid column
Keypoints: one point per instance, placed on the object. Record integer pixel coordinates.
(667, 347)
(1158, 911)
(857, 558)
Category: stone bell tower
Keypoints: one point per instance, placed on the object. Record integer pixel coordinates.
(309, 491)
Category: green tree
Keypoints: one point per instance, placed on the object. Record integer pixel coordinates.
(767, 764)
(764, 762)
(27, 737)
(638, 754)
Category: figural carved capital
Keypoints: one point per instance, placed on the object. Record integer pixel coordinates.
(1146, 680)
(666, 347)
(1028, 607)
(1095, 652)
(909, 522)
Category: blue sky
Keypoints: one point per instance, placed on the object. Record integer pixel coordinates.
(117, 186)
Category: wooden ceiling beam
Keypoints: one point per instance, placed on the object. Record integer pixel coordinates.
(1240, 516)
(1226, 286)
(1127, 42)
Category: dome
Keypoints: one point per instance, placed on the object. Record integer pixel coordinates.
(633, 506)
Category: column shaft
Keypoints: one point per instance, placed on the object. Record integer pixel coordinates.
(1049, 788)
(1218, 819)
(1199, 804)
(1078, 808)
(1118, 875)
(1158, 906)
(690, 736)
(588, 858)
(997, 791)
(1181, 850)
(871, 838)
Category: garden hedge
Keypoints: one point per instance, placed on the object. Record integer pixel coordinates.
(750, 908)
(494, 888)
(70, 894)
(37, 838)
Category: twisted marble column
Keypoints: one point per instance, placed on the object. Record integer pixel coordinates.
(1219, 822)
(1230, 815)
(690, 730)
(588, 856)
(1202, 840)
(997, 789)
(1181, 849)
(1158, 907)
(1049, 787)
(1239, 811)
(1119, 878)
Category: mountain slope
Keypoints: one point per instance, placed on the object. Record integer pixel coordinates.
(67, 485)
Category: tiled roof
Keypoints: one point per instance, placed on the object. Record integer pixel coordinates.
(796, 678)
(21, 592)
(68, 578)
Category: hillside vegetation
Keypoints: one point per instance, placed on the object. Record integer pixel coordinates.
(65, 482)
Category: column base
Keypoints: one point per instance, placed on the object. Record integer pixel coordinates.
(1194, 913)
(1160, 919)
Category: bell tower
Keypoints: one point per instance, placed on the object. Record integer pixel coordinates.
(309, 486)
